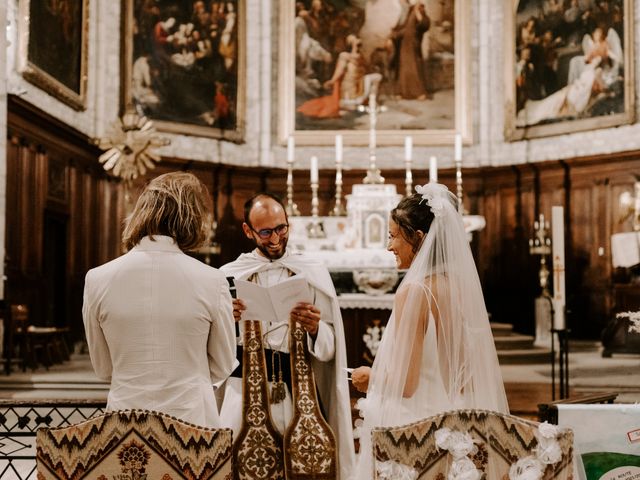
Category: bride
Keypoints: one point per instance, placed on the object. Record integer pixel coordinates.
(437, 352)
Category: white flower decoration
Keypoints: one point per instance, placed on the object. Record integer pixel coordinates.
(547, 430)
(527, 468)
(460, 445)
(463, 469)
(391, 470)
(442, 438)
(436, 196)
(548, 451)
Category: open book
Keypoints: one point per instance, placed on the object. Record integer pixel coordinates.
(272, 304)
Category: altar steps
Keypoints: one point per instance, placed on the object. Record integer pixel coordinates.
(517, 349)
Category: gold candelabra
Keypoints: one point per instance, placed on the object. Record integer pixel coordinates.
(540, 244)
(338, 209)
(291, 208)
(408, 177)
(315, 228)
(459, 186)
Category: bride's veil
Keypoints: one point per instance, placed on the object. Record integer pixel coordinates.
(437, 352)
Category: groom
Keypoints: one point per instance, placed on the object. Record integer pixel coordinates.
(266, 224)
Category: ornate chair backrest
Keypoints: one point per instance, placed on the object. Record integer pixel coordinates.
(133, 444)
(495, 445)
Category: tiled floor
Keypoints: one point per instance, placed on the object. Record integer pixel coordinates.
(526, 385)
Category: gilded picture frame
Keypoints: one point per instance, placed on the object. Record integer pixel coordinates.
(423, 85)
(184, 65)
(570, 66)
(53, 48)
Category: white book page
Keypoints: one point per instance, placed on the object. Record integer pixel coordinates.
(287, 293)
(257, 301)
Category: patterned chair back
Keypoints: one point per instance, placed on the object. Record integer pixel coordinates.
(133, 444)
(434, 448)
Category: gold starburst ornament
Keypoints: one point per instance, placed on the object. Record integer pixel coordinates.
(129, 150)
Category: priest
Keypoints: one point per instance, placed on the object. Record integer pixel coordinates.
(266, 224)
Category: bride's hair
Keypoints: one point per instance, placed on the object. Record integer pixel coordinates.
(412, 214)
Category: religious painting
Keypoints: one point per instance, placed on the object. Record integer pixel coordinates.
(53, 47)
(184, 65)
(571, 66)
(408, 58)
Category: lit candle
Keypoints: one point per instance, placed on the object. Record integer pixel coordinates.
(408, 146)
(291, 147)
(433, 169)
(458, 149)
(557, 231)
(314, 169)
(338, 148)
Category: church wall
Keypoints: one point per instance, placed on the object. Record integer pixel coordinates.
(487, 52)
(64, 215)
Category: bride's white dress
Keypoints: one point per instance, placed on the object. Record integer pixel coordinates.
(437, 352)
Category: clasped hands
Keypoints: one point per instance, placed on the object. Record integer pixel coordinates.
(306, 314)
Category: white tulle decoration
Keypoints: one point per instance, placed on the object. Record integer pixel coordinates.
(527, 468)
(391, 470)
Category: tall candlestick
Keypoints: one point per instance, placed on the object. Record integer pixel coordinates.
(433, 169)
(315, 228)
(374, 116)
(373, 173)
(458, 162)
(408, 176)
(291, 208)
(557, 232)
(314, 169)
(291, 146)
(338, 209)
(408, 147)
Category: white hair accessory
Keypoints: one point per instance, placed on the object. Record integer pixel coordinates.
(436, 195)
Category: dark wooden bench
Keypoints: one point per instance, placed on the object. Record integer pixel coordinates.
(548, 412)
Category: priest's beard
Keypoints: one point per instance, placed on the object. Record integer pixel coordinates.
(273, 252)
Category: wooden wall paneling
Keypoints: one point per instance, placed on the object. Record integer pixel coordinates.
(489, 245)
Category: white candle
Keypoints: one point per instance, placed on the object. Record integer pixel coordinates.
(291, 147)
(458, 149)
(338, 148)
(314, 169)
(433, 169)
(557, 232)
(408, 146)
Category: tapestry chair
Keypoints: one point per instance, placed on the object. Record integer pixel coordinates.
(133, 444)
(473, 444)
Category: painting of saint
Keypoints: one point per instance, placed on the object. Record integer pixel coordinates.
(54, 47)
(184, 68)
(571, 63)
(402, 51)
